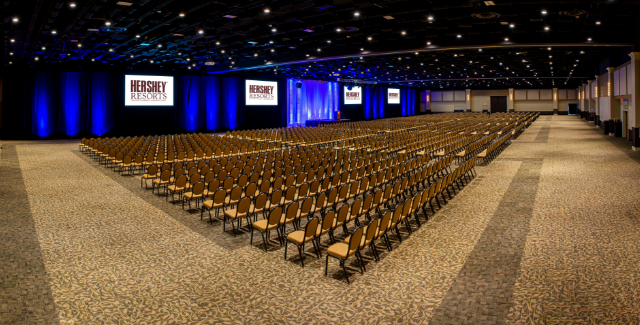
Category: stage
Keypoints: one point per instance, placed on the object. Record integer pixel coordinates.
(316, 122)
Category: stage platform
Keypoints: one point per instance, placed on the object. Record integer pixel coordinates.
(316, 122)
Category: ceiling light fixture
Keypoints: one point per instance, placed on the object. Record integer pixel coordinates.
(428, 43)
(589, 39)
(12, 40)
(546, 27)
(459, 36)
(201, 32)
(72, 5)
(108, 23)
(506, 39)
(338, 30)
(181, 14)
(266, 10)
(137, 36)
(273, 29)
(430, 18)
(356, 14)
(512, 25)
(544, 12)
(15, 19)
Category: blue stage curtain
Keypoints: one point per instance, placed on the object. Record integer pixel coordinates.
(74, 86)
(212, 103)
(408, 101)
(374, 102)
(231, 102)
(43, 102)
(190, 105)
(102, 103)
(315, 100)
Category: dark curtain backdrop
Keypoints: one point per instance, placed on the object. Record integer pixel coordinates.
(75, 104)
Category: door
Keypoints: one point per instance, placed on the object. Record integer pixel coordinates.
(498, 104)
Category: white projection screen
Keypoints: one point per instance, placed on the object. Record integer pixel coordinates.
(261, 93)
(353, 96)
(393, 96)
(148, 90)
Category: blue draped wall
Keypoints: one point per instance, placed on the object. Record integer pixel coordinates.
(374, 102)
(315, 100)
(408, 101)
(84, 103)
(63, 104)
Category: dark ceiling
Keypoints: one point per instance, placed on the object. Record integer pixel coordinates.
(425, 43)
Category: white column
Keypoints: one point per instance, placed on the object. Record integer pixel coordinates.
(510, 106)
(467, 103)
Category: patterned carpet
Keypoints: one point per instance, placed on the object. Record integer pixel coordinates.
(547, 233)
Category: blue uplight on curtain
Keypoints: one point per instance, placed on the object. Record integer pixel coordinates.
(374, 101)
(408, 101)
(42, 123)
(190, 101)
(212, 102)
(101, 102)
(71, 101)
(315, 100)
(230, 102)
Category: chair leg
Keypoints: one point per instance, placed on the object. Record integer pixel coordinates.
(346, 275)
(301, 251)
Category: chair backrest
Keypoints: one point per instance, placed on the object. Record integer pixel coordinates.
(152, 170)
(274, 217)
(343, 211)
(307, 203)
(219, 196)
(354, 240)
(243, 205)
(292, 211)
(181, 181)
(250, 189)
(213, 185)
(384, 223)
(372, 229)
(310, 230)
(198, 188)
(261, 200)
(355, 207)
(165, 175)
(227, 183)
(236, 193)
(276, 196)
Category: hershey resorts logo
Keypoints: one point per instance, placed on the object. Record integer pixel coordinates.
(353, 95)
(143, 90)
(394, 95)
(261, 92)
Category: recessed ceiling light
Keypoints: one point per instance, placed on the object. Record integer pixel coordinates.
(273, 29)
(36, 58)
(44, 48)
(108, 23)
(79, 45)
(137, 36)
(489, 3)
(12, 40)
(356, 14)
(15, 19)
(319, 49)
(459, 36)
(403, 33)
(10, 53)
(506, 39)
(53, 32)
(181, 14)
(512, 25)
(229, 16)
(546, 27)
(589, 39)
(151, 61)
(388, 17)
(72, 5)
(222, 51)
(124, 3)
(131, 55)
(159, 45)
(544, 12)
(201, 32)
(598, 22)
(338, 30)
(369, 38)
(266, 10)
